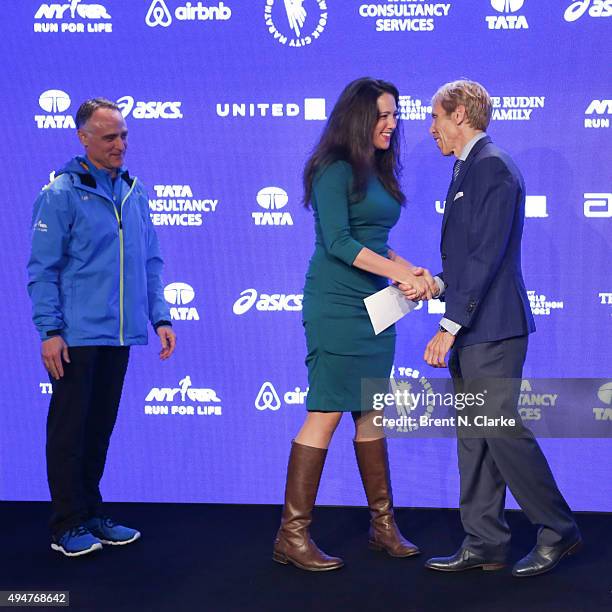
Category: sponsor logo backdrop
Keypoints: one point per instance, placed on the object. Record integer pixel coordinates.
(224, 100)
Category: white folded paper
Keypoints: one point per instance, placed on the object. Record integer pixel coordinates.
(386, 307)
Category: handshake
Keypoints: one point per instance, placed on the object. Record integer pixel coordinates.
(418, 284)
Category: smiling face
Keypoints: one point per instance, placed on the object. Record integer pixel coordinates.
(386, 123)
(104, 137)
(445, 129)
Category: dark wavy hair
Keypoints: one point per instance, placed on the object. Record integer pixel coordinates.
(348, 136)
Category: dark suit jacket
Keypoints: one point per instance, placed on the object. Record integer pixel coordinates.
(481, 248)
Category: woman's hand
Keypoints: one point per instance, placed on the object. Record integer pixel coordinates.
(418, 285)
(431, 283)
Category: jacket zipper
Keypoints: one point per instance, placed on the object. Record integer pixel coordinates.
(119, 217)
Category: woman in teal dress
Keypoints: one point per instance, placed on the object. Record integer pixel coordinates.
(351, 181)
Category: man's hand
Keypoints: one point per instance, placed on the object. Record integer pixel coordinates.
(52, 352)
(412, 289)
(167, 338)
(431, 283)
(418, 285)
(437, 347)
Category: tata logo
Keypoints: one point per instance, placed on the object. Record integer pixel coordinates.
(264, 302)
(507, 21)
(595, 8)
(54, 102)
(272, 199)
(605, 397)
(605, 393)
(180, 294)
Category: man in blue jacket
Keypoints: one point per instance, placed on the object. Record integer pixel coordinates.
(487, 323)
(95, 282)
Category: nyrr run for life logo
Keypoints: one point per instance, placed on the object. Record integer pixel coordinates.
(74, 16)
(295, 23)
(184, 400)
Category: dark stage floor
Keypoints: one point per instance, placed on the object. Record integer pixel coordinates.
(215, 557)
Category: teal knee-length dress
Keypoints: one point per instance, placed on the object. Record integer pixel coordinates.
(342, 347)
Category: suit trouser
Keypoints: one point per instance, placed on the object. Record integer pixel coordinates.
(82, 415)
(488, 464)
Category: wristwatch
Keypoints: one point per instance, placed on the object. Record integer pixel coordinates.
(443, 330)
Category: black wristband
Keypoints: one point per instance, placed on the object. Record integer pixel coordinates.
(54, 332)
(162, 324)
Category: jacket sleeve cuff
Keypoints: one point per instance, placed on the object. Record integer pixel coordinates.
(450, 326)
(49, 333)
(441, 286)
(162, 324)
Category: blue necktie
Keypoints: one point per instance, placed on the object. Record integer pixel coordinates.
(457, 168)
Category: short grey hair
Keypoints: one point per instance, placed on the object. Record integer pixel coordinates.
(472, 95)
(89, 107)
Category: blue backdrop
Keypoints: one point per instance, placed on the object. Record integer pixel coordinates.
(224, 100)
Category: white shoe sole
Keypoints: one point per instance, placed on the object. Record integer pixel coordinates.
(92, 548)
(123, 542)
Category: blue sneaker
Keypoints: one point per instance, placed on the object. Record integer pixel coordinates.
(76, 542)
(108, 532)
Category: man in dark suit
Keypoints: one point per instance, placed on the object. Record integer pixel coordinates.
(486, 324)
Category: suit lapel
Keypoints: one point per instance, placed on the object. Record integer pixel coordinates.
(455, 185)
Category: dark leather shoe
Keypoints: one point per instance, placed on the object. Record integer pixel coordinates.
(462, 560)
(542, 559)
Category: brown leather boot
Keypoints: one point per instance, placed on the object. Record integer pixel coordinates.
(373, 465)
(293, 543)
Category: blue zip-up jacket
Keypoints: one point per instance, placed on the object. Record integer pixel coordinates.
(95, 268)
